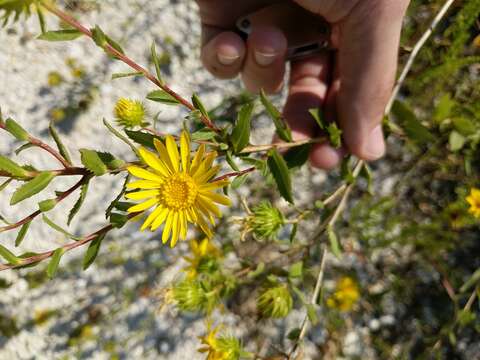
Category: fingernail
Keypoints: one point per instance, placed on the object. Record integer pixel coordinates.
(225, 59)
(264, 58)
(375, 146)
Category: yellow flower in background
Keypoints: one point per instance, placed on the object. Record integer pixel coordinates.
(345, 296)
(180, 188)
(474, 200)
(200, 250)
(219, 348)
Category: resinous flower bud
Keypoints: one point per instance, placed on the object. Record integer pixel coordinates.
(266, 221)
(218, 347)
(275, 302)
(129, 113)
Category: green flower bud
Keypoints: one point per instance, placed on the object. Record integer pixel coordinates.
(194, 295)
(229, 347)
(129, 113)
(266, 221)
(275, 302)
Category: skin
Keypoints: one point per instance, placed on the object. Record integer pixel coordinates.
(352, 84)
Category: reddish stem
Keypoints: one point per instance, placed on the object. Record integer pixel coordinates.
(235, 174)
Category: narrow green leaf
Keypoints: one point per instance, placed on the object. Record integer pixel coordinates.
(34, 186)
(91, 160)
(163, 97)
(408, 121)
(92, 252)
(62, 149)
(21, 233)
(456, 141)
(114, 44)
(78, 204)
(230, 161)
(197, 103)
(258, 271)
(118, 198)
(41, 19)
(156, 62)
(110, 161)
(298, 156)
(312, 314)
(12, 168)
(464, 126)
(204, 134)
(54, 262)
(5, 184)
(241, 132)
(119, 135)
(118, 220)
(142, 138)
(16, 130)
(23, 147)
(128, 74)
(296, 270)
(9, 256)
(334, 245)
(472, 281)
(99, 37)
(59, 228)
(239, 181)
(283, 130)
(47, 205)
(279, 169)
(60, 35)
(293, 233)
(444, 108)
(317, 115)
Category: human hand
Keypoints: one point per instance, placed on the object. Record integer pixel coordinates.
(351, 85)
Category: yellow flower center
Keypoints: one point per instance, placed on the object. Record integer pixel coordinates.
(178, 192)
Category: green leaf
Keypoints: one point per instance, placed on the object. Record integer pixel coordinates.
(156, 62)
(334, 135)
(298, 156)
(118, 198)
(464, 126)
(23, 147)
(197, 103)
(54, 262)
(296, 270)
(312, 314)
(114, 45)
(59, 228)
(366, 173)
(279, 169)
(142, 138)
(163, 97)
(47, 205)
(12, 168)
(78, 204)
(317, 115)
(231, 162)
(5, 184)
(99, 37)
(283, 130)
(472, 281)
(294, 334)
(34, 186)
(408, 121)
(239, 181)
(293, 233)
(110, 161)
(9, 256)
(62, 149)
(127, 74)
(456, 141)
(334, 245)
(443, 108)
(118, 220)
(204, 134)
(241, 132)
(92, 252)
(60, 35)
(258, 271)
(92, 161)
(21, 234)
(16, 130)
(120, 136)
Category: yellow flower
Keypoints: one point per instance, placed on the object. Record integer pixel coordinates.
(219, 348)
(200, 250)
(474, 200)
(129, 113)
(345, 296)
(178, 187)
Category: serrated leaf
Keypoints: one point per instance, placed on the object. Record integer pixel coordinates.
(127, 74)
(118, 198)
(21, 233)
(334, 135)
(334, 245)
(92, 252)
(59, 228)
(296, 270)
(16, 130)
(91, 160)
(241, 132)
(197, 103)
(163, 97)
(10, 257)
(110, 161)
(279, 169)
(142, 138)
(32, 187)
(78, 204)
(12, 168)
(60, 35)
(54, 262)
(408, 121)
(456, 141)
(283, 130)
(156, 62)
(62, 149)
(298, 156)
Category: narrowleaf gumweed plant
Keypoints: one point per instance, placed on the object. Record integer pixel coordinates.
(180, 185)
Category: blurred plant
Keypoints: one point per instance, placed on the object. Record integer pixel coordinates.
(345, 296)
(474, 200)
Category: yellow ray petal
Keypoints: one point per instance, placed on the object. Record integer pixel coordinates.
(207, 175)
(140, 195)
(162, 151)
(209, 205)
(192, 215)
(205, 212)
(168, 227)
(175, 229)
(143, 184)
(197, 159)
(153, 161)
(185, 151)
(183, 225)
(218, 198)
(153, 215)
(142, 206)
(213, 185)
(172, 150)
(204, 226)
(160, 219)
(144, 174)
(205, 165)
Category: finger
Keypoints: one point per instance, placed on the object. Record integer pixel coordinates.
(265, 61)
(224, 53)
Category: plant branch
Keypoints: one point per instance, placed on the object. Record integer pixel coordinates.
(235, 174)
